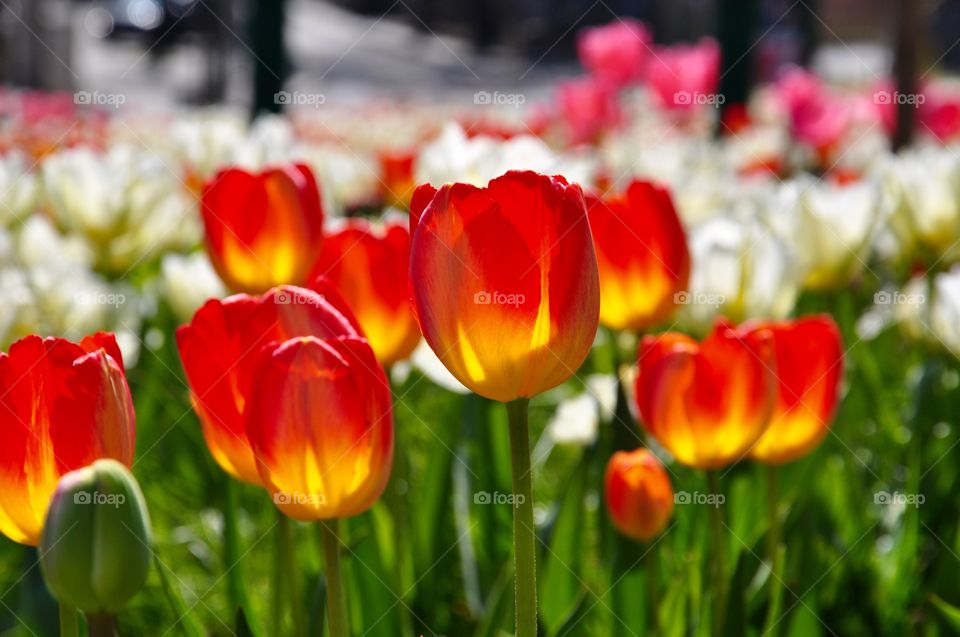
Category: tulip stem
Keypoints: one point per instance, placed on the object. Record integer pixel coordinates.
(336, 600)
(775, 552)
(68, 621)
(524, 534)
(285, 577)
(101, 625)
(717, 556)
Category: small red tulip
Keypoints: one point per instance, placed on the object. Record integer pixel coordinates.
(639, 494)
(505, 281)
(62, 406)
(263, 229)
(642, 256)
(809, 368)
(219, 350)
(396, 176)
(707, 402)
(371, 268)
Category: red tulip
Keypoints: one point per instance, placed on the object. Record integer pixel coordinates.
(62, 406)
(396, 176)
(371, 269)
(639, 494)
(321, 426)
(505, 281)
(219, 350)
(642, 256)
(615, 52)
(707, 402)
(263, 229)
(809, 368)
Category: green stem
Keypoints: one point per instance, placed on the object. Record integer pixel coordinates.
(717, 556)
(524, 534)
(231, 546)
(68, 621)
(285, 578)
(653, 588)
(336, 599)
(775, 552)
(101, 625)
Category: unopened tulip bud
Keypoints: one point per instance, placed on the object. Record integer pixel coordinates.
(639, 494)
(95, 547)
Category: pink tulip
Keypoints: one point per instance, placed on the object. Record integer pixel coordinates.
(818, 117)
(685, 75)
(615, 52)
(588, 106)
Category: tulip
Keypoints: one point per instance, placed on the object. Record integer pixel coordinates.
(370, 267)
(808, 356)
(818, 117)
(396, 176)
(505, 282)
(218, 350)
(641, 254)
(506, 291)
(62, 406)
(639, 495)
(706, 402)
(589, 107)
(684, 76)
(615, 52)
(263, 229)
(95, 551)
(321, 426)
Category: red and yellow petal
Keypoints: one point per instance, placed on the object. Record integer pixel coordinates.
(263, 229)
(321, 427)
(809, 369)
(505, 282)
(642, 256)
(371, 270)
(639, 494)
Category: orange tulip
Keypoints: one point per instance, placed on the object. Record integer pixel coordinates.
(642, 256)
(396, 176)
(62, 406)
(371, 270)
(505, 281)
(219, 350)
(321, 426)
(263, 229)
(707, 402)
(809, 367)
(639, 494)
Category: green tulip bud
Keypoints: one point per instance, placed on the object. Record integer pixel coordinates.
(95, 547)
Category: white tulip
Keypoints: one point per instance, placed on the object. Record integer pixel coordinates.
(18, 188)
(187, 281)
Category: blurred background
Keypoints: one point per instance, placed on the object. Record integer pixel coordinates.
(162, 52)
